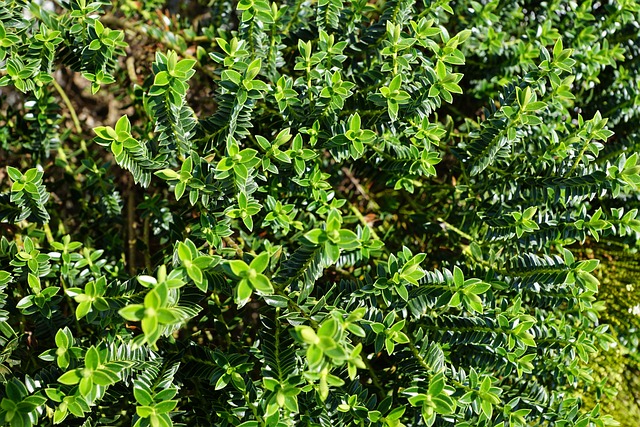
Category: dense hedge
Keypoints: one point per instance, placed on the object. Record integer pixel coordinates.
(385, 213)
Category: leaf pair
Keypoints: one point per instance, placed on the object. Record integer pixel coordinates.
(333, 237)
(251, 278)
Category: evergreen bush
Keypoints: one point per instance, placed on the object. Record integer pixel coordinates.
(316, 213)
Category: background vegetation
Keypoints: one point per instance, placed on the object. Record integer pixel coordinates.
(386, 213)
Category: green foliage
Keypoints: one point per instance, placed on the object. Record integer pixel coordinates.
(322, 214)
(28, 194)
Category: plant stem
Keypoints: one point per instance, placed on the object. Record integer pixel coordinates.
(67, 102)
(374, 378)
(456, 230)
(577, 160)
(145, 239)
(131, 237)
(416, 353)
(363, 220)
(47, 233)
(72, 305)
(253, 409)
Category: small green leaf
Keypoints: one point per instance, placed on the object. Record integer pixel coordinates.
(123, 125)
(92, 358)
(166, 406)
(71, 378)
(104, 377)
(147, 281)
(262, 284)
(332, 251)
(143, 397)
(167, 316)
(149, 325)
(347, 236)
(238, 267)
(184, 253)
(185, 65)
(260, 263)
(243, 292)
(62, 338)
(180, 189)
(354, 124)
(132, 313)
(195, 274)
(14, 173)
(458, 277)
(395, 83)
(145, 411)
(161, 79)
(316, 236)
(167, 174)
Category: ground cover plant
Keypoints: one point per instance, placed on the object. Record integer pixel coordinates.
(366, 213)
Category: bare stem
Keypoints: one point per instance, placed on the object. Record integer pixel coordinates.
(67, 102)
(456, 230)
(131, 232)
(363, 220)
(47, 233)
(145, 239)
(374, 378)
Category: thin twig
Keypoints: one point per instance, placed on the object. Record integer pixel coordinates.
(356, 183)
(145, 239)
(374, 378)
(363, 220)
(456, 230)
(131, 237)
(131, 69)
(47, 233)
(67, 102)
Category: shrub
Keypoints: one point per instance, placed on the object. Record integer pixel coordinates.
(271, 214)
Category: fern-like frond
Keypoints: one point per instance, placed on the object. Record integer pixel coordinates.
(302, 269)
(173, 119)
(278, 350)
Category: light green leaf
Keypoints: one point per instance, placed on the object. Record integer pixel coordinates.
(195, 274)
(243, 292)
(316, 236)
(149, 325)
(71, 378)
(238, 267)
(143, 397)
(260, 263)
(262, 284)
(167, 316)
(123, 125)
(92, 358)
(347, 236)
(458, 277)
(184, 253)
(132, 313)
